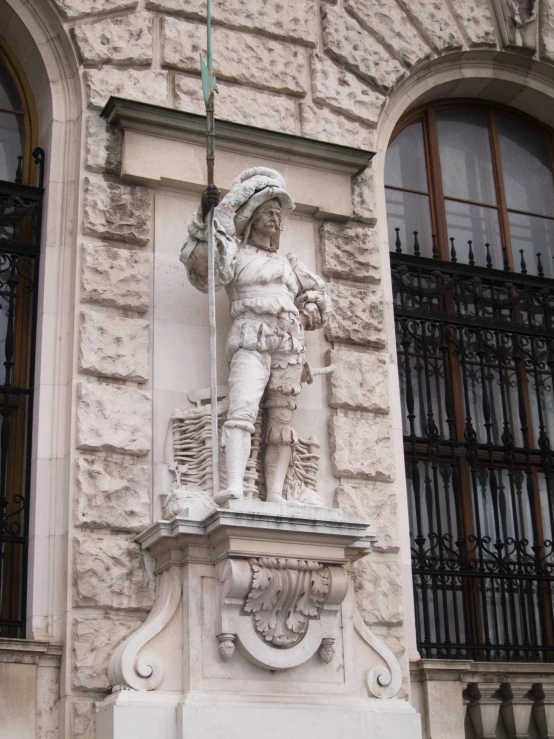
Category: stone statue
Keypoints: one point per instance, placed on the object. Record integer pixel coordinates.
(273, 300)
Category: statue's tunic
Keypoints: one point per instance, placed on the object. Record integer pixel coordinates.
(266, 345)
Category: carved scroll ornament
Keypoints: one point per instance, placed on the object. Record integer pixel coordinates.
(285, 594)
(279, 611)
(126, 669)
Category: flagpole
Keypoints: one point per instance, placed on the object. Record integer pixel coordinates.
(208, 85)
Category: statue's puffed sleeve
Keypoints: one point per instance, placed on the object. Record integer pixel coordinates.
(311, 290)
(194, 255)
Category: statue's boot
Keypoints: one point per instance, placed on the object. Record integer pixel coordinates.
(276, 465)
(237, 451)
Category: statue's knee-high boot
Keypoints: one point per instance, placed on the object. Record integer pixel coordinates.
(276, 465)
(237, 450)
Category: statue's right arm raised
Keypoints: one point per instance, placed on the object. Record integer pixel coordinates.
(194, 253)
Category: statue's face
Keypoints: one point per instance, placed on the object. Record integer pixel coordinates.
(267, 220)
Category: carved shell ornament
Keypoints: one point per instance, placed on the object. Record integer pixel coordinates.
(285, 595)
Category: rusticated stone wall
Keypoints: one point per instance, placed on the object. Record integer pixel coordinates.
(322, 69)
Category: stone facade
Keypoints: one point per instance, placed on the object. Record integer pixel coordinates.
(342, 72)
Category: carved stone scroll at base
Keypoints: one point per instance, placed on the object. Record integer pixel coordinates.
(126, 669)
(381, 682)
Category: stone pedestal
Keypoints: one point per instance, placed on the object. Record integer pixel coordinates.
(255, 633)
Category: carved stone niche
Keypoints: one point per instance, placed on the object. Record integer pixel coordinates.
(254, 608)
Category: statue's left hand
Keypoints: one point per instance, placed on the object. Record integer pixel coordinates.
(210, 198)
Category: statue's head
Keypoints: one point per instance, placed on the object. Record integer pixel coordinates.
(265, 224)
(257, 200)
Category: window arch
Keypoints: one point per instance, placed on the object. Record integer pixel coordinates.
(470, 204)
(21, 165)
(471, 172)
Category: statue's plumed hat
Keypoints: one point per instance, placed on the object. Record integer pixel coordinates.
(252, 188)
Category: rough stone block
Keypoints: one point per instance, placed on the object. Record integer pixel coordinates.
(112, 346)
(357, 316)
(372, 577)
(102, 146)
(348, 42)
(361, 447)
(112, 419)
(239, 104)
(287, 19)
(115, 211)
(344, 92)
(350, 251)
(476, 20)
(115, 277)
(375, 503)
(83, 720)
(71, 9)
(110, 572)
(112, 495)
(546, 31)
(94, 641)
(387, 21)
(325, 125)
(436, 22)
(125, 40)
(363, 196)
(238, 57)
(360, 380)
(143, 85)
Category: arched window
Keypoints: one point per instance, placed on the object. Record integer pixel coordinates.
(473, 173)
(470, 199)
(21, 169)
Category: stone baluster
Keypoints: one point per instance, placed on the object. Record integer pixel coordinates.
(483, 708)
(517, 704)
(543, 709)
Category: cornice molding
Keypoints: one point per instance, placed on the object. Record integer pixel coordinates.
(234, 137)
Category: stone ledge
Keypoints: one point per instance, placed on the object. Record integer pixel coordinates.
(234, 137)
(27, 651)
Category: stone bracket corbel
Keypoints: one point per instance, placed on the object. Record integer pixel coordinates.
(278, 611)
(543, 709)
(382, 682)
(483, 708)
(516, 707)
(126, 670)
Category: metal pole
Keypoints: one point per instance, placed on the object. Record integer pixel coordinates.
(208, 85)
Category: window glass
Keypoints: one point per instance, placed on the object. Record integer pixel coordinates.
(409, 212)
(405, 164)
(465, 155)
(534, 236)
(12, 137)
(526, 165)
(9, 98)
(467, 222)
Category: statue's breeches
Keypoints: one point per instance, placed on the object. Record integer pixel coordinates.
(251, 372)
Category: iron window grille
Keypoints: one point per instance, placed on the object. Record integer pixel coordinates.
(476, 362)
(20, 236)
